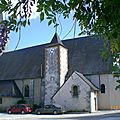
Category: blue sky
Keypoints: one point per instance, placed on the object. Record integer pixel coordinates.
(39, 33)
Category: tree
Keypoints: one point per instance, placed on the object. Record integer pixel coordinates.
(99, 17)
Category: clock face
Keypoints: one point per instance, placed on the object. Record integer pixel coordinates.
(52, 50)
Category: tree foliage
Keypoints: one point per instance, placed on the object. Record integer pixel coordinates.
(22, 101)
(101, 17)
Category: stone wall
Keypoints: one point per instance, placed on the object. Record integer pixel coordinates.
(56, 68)
(111, 98)
(64, 96)
(63, 64)
(52, 77)
(34, 89)
(37, 91)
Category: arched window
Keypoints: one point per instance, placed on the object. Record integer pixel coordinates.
(75, 91)
(102, 88)
(0, 100)
(26, 91)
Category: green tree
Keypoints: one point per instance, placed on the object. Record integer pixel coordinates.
(99, 17)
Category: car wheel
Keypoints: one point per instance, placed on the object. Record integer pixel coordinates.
(22, 112)
(9, 111)
(54, 112)
(38, 112)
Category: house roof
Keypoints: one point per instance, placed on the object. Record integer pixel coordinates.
(9, 89)
(83, 56)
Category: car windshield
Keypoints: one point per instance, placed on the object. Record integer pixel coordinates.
(47, 106)
(27, 105)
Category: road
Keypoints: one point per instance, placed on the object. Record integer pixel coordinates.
(114, 115)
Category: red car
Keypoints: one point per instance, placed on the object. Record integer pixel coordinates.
(20, 108)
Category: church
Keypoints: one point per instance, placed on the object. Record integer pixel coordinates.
(70, 73)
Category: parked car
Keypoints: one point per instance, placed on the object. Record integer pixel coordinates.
(20, 108)
(51, 109)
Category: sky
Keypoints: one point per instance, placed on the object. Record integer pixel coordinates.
(40, 33)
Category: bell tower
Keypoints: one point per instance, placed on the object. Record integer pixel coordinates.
(56, 67)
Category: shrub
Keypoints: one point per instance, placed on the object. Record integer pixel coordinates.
(35, 106)
(22, 101)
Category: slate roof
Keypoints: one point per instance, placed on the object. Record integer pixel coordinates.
(56, 40)
(87, 81)
(9, 89)
(84, 57)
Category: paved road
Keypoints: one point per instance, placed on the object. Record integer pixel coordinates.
(115, 116)
(104, 115)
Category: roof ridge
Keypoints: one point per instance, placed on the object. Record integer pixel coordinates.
(45, 44)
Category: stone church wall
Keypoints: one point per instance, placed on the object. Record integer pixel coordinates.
(114, 94)
(37, 91)
(111, 98)
(63, 64)
(52, 82)
(64, 95)
(34, 89)
(104, 98)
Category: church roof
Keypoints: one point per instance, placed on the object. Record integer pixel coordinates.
(87, 81)
(56, 39)
(9, 89)
(84, 56)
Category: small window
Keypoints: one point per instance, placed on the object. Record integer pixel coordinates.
(75, 91)
(26, 91)
(102, 88)
(0, 100)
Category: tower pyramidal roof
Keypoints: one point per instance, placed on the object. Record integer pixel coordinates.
(56, 40)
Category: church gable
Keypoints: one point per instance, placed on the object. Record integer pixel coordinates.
(75, 91)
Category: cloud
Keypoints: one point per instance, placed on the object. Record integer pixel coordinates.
(34, 14)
